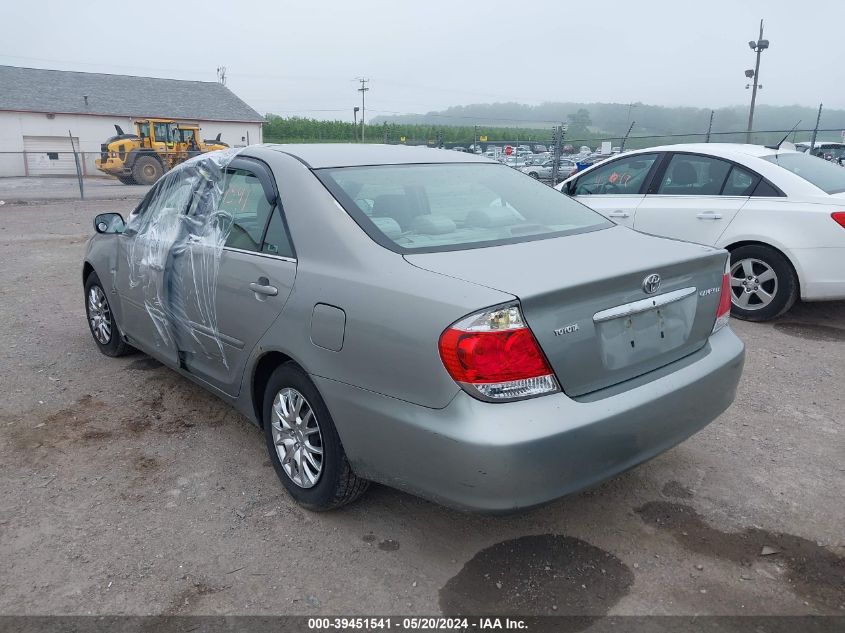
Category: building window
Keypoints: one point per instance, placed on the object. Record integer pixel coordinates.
(53, 155)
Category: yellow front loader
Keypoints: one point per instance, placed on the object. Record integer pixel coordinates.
(156, 147)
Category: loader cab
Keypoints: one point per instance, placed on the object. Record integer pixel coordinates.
(158, 132)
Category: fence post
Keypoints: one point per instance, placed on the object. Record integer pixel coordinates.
(709, 126)
(622, 147)
(816, 130)
(78, 169)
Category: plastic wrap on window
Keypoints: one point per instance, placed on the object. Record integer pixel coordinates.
(173, 250)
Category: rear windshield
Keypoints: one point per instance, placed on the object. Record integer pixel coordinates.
(825, 175)
(418, 208)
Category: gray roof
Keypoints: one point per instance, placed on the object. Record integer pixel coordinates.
(318, 156)
(64, 92)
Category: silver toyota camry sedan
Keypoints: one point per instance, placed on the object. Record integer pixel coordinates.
(430, 320)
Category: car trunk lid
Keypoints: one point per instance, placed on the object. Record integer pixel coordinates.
(583, 297)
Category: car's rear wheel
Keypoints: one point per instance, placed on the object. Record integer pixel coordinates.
(101, 320)
(763, 283)
(127, 180)
(303, 443)
(534, 175)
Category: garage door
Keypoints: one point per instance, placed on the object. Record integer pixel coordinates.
(50, 155)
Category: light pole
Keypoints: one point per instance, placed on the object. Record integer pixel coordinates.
(754, 75)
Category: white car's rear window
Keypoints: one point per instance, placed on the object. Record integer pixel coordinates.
(825, 175)
(450, 206)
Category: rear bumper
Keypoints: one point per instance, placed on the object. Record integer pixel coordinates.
(501, 457)
(822, 272)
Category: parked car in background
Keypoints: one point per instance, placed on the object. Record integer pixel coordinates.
(459, 149)
(543, 171)
(259, 274)
(827, 150)
(780, 213)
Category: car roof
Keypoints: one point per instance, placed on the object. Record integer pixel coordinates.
(319, 156)
(723, 150)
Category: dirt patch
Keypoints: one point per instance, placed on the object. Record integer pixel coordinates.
(146, 464)
(811, 331)
(144, 364)
(188, 598)
(545, 574)
(814, 573)
(677, 490)
(72, 424)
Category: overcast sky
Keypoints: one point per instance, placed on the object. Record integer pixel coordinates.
(303, 57)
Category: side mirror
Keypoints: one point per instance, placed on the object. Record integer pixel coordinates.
(109, 223)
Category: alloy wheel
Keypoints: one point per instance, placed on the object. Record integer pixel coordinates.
(297, 437)
(754, 284)
(99, 315)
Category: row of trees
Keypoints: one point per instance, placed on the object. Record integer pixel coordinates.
(304, 130)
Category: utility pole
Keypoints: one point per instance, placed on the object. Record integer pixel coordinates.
(758, 47)
(363, 89)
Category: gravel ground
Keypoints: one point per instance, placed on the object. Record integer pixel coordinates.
(125, 489)
(49, 189)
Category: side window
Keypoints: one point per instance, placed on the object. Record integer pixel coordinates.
(244, 200)
(765, 190)
(144, 129)
(689, 175)
(625, 175)
(740, 182)
(276, 241)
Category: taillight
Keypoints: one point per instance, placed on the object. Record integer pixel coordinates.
(723, 312)
(839, 218)
(494, 356)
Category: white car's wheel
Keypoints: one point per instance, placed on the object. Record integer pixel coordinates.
(763, 283)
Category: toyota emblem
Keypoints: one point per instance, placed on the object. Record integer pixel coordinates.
(651, 284)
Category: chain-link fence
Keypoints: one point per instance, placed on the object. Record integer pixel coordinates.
(560, 151)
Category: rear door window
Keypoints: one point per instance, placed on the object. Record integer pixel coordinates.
(245, 201)
(691, 175)
(740, 182)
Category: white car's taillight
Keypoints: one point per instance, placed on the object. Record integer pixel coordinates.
(494, 356)
(723, 312)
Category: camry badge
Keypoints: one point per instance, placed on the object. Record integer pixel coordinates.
(651, 283)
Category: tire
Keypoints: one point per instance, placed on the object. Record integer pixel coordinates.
(333, 484)
(146, 170)
(534, 175)
(101, 320)
(763, 283)
(127, 180)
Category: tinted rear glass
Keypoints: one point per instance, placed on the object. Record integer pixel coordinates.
(454, 206)
(825, 175)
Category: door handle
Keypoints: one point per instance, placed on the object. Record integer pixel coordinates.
(619, 214)
(709, 215)
(263, 287)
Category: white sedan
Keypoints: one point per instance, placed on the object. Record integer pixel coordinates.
(779, 212)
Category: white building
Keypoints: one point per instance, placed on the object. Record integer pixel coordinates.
(42, 110)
